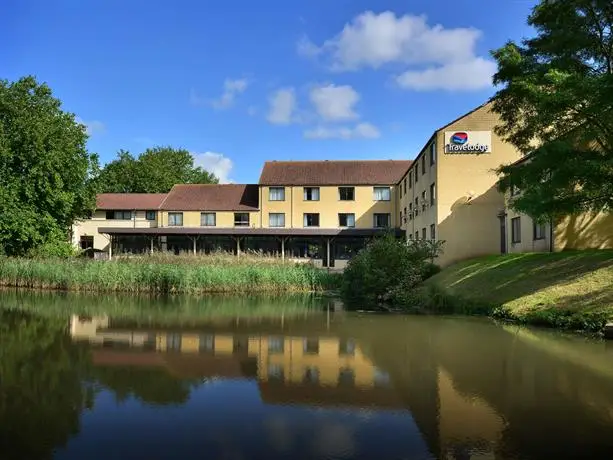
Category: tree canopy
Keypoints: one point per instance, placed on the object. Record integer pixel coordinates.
(556, 106)
(156, 170)
(44, 168)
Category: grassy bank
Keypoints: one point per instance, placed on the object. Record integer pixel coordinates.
(567, 290)
(167, 274)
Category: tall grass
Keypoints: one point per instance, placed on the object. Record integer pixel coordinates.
(167, 274)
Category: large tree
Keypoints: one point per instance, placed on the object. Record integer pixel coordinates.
(556, 106)
(44, 167)
(156, 170)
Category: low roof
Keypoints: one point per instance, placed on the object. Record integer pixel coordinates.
(334, 172)
(129, 201)
(212, 197)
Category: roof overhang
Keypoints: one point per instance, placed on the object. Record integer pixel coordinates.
(248, 231)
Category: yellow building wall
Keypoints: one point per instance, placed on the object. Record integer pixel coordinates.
(224, 219)
(328, 206)
(584, 231)
(471, 227)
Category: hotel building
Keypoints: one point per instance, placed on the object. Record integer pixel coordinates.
(326, 211)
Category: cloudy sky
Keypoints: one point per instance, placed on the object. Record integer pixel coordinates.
(239, 82)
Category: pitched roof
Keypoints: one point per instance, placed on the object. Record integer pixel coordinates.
(212, 197)
(359, 172)
(129, 201)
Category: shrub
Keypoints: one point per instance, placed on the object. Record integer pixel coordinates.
(384, 271)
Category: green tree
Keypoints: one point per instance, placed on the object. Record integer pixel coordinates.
(156, 170)
(556, 104)
(44, 168)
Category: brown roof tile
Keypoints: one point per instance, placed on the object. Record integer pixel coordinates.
(359, 172)
(212, 197)
(129, 201)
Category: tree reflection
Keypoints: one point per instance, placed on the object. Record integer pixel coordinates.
(41, 391)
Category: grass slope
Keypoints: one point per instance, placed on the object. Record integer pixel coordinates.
(571, 290)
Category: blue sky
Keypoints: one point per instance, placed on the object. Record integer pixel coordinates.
(241, 82)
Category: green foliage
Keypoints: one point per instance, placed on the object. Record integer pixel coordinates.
(386, 270)
(144, 275)
(56, 246)
(558, 95)
(156, 170)
(44, 167)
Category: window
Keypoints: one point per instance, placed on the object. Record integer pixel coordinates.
(433, 232)
(311, 220)
(432, 153)
(432, 194)
(410, 211)
(416, 207)
(86, 242)
(400, 218)
(150, 215)
(346, 347)
(381, 193)
(381, 220)
(208, 219)
(416, 175)
(410, 179)
(405, 185)
(405, 213)
(173, 342)
(423, 164)
(276, 219)
(241, 219)
(311, 194)
(516, 230)
(276, 194)
(276, 345)
(346, 220)
(206, 343)
(539, 231)
(346, 193)
(423, 200)
(423, 233)
(175, 219)
(311, 346)
(119, 215)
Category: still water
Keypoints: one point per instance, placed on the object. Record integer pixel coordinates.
(297, 378)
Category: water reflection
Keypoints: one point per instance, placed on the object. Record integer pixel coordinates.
(313, 385)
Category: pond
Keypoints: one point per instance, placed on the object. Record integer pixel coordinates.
(298, 378)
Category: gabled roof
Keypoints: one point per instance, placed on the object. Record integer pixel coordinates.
(334, 172)
(129, 201)
(212, 197)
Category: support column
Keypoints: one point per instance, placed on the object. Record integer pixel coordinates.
(238, 246)
(328, 253)
(194, 239)
(110, 247)
(151, 243)
(283, 248)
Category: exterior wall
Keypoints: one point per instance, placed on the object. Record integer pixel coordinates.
(223, 219)
(584, 231)
(328, 206)
(468, 201)
(528, 243)
(89, 227)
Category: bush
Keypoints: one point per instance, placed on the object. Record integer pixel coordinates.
(56, 247)
(386, 270)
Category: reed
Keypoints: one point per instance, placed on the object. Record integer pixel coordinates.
(218, 273)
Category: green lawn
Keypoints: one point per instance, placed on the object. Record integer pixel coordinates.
(567, 289)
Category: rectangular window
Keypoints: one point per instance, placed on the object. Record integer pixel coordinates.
(539, 231)
(410, 211)
(310, 346)
(276, 194)
(311, 220)
(175, 219)
(432, 194)
(119, 215)
(276, 345)
(382, 220)
(516, 230)
(405, 185)
(150, 215)
(208, 219)
(311, 193)
(423, 233)
(405, 214)
(381, 194)
(346, 193)
(432, 232)
(416, 175)
(241, 219)
(432, 153)
(416, 207)
(86, 242)
(423, 200)
(346, 347)
(423, 164)
(410, 179)
(346, 220)
(276, 219)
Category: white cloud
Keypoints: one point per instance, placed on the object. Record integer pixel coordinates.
(215, 163)
(282, 107)
(231, 88)
(360, 131)
(374, 40)
(92, 127)
(252, 110)
(334, 103)
(458, 76)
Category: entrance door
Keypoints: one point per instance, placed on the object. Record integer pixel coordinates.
(503, 233)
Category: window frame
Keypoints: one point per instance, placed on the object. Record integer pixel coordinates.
(122, 212)
(147, 215)
(423, 165)
(276, 188)
(433, 153)
(304, 193)
(344, 188)
(175, 214)
(270, 214)
(346, 214)
(424, 233)
(433, 232)
(378, 214)
(432, 193)
(240, 223)
(214, 214)
(410, 179)
(535, 236)
(305, 219)
(516, 234)
(389, 193)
